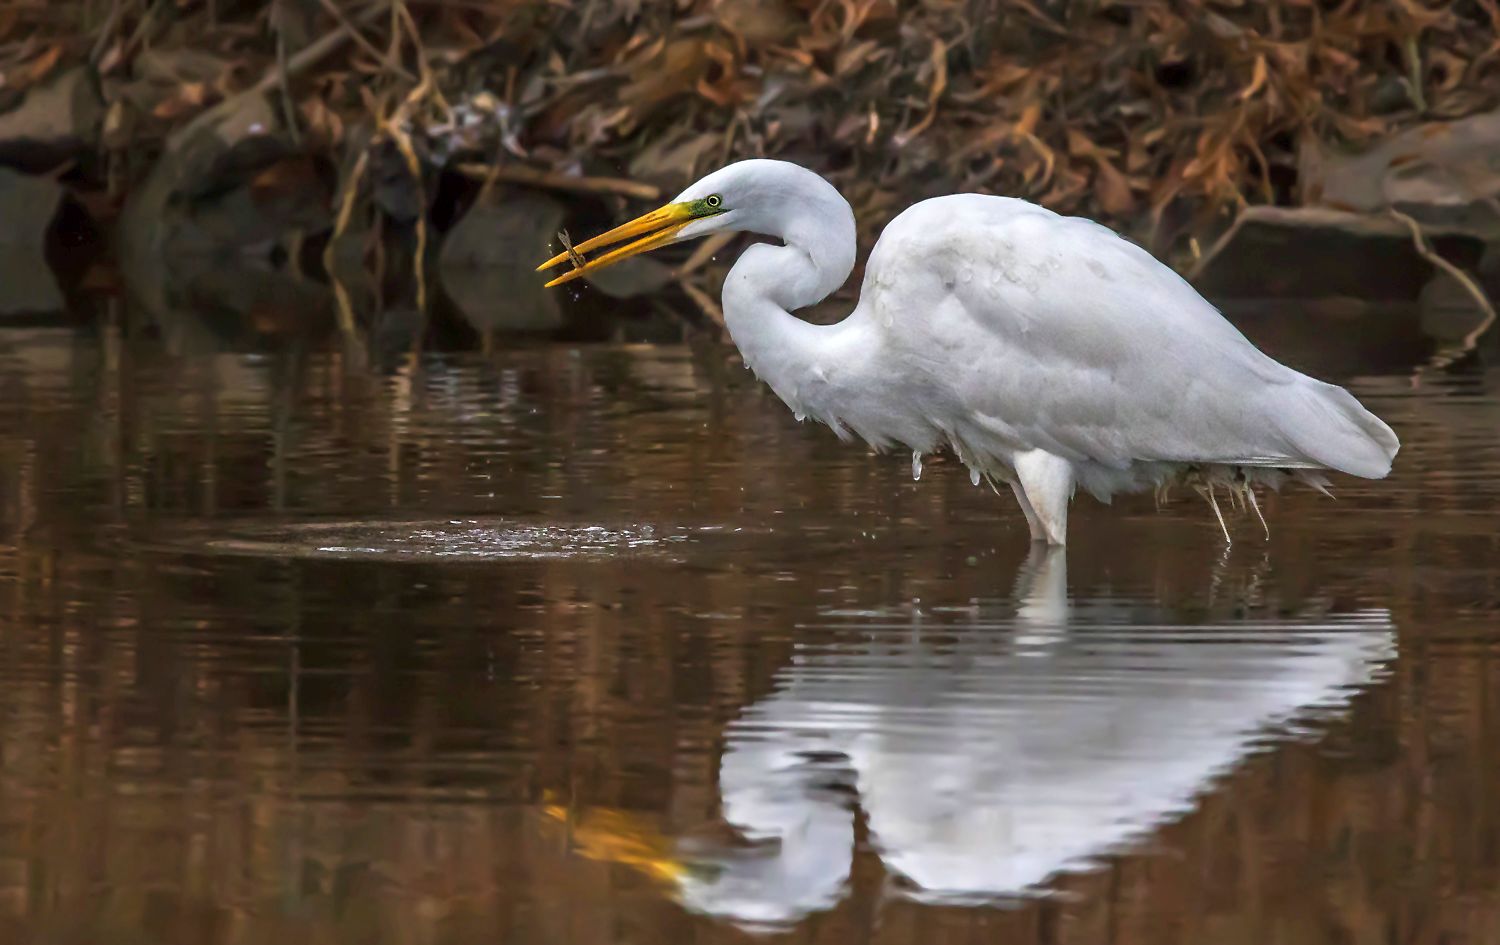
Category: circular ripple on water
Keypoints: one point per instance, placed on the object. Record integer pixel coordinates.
(454, 539)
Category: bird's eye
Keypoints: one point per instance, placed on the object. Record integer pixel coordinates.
(713, 201)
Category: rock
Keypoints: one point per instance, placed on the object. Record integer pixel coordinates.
(232, 145)
(56, 121)
(230, 183)
(1315, 252)
(1443, 174)
(166, 86)
(27, 207)
(487, 263)
(1380, 338)
(636, 276)
(401, 197)
(509, 229)
(259, 211)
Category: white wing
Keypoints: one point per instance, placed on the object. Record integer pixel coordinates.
(1056, 333)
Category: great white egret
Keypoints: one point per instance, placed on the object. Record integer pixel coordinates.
(1046, 351)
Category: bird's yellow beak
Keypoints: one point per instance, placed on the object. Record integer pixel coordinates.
(657, 228)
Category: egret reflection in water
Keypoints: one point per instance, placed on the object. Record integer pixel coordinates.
(994, 752)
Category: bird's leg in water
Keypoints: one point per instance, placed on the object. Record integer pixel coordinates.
(991, 480)
(1163, 493)
(1207, 489)
(1037, 533)
(1047, 482)
(1250, 496)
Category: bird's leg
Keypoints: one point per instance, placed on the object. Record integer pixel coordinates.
(1207, 489)
(1047, 483)
(991, 480)
(1213, 503)
(1032, 522)
(1250, 495)
(1163, 492)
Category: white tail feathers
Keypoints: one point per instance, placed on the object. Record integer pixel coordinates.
(1328, 426)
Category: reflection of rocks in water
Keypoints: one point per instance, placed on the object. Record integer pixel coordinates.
(1449, 311)
(203, 304)
(991, 754)
(27, 208)
(501, 299)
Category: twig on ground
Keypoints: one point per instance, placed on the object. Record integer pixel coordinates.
(284, 85)
(552, 180)
(313, 53)
(106, 32)
(363, 43)
(346, 208)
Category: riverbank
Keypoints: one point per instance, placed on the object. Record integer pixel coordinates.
(339, 134)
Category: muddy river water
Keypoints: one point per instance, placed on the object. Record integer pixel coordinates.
(593, 643)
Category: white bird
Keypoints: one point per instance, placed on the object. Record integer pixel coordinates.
(1045, 351)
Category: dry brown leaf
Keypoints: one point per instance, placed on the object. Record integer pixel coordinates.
(756, 22)
(1112, 189)
(853, 57)
(322, 122)
(657, 78)
(1030, 115)
(37, 69)
(188, 98)
(1257, 79)
(938, 82)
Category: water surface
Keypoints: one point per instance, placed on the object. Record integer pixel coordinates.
(556, 642)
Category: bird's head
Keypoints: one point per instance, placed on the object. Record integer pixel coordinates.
(741, 196)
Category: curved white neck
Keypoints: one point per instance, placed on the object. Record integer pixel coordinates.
(770, 282)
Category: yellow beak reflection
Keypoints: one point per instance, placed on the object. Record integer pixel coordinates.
(656, 228)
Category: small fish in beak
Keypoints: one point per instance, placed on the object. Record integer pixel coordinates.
(650, 231)
(573, 254)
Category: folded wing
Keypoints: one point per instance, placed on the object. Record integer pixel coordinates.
(1060, 334)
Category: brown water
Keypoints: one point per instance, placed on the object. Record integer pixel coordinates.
(593, 644)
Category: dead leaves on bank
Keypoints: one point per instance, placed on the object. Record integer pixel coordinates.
(1116, 108)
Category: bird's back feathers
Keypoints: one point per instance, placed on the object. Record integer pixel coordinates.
(1056, 333)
